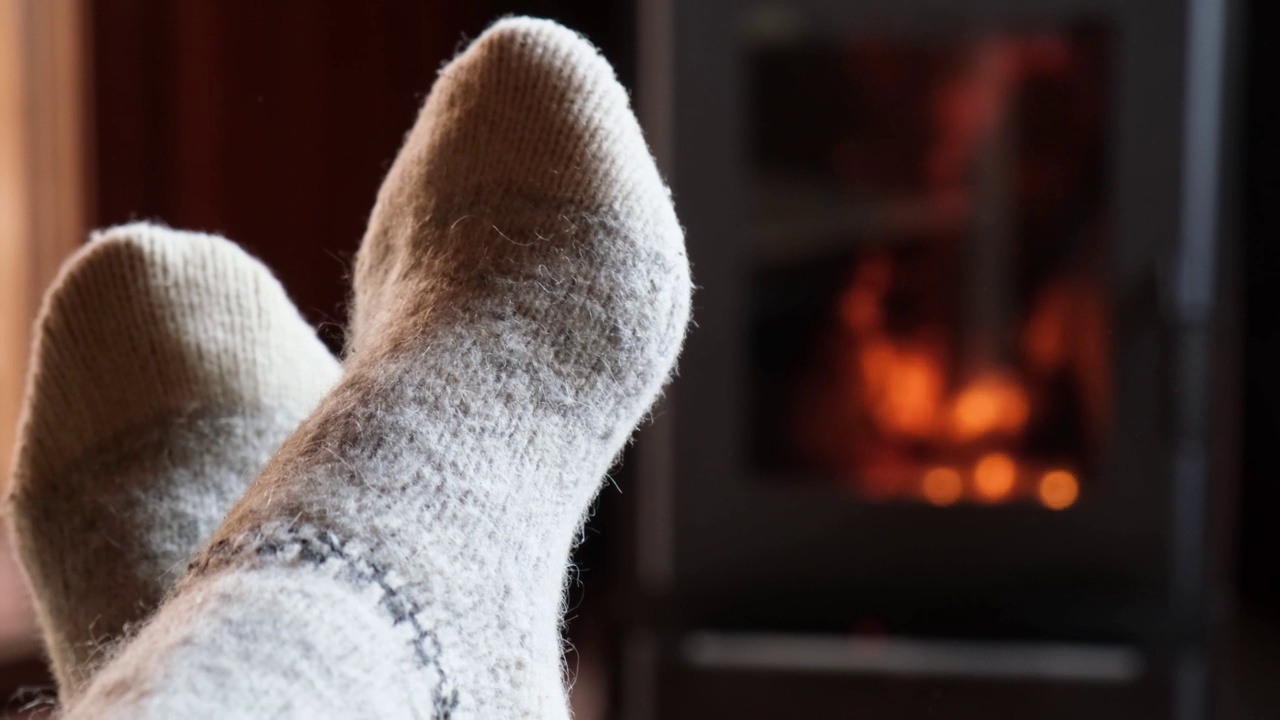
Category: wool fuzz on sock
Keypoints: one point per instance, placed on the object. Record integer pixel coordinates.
(168, 367)
(520, 298)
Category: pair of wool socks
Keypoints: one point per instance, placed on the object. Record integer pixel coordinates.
(520, 297)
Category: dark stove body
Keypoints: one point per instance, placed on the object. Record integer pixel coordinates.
(770, 584)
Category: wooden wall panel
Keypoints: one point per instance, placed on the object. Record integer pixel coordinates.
(271, 123)
(44, 194)
(274, 122)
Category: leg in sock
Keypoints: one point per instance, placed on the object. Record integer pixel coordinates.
(168, 368)
(520, 297)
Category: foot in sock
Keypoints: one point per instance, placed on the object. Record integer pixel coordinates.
(168, 368)
(520, 298)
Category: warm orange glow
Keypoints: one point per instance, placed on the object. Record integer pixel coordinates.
(1044, 340)
(861, 305)
(992, 403)
(901, 381)
(942, 486)
(1059, 489)
(995, 475)
(860, 309)
(904, 386)
(904, 380)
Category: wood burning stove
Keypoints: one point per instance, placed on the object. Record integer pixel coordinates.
(944, 411)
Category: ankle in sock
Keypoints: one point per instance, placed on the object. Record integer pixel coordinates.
(520, 298)
(168, 367)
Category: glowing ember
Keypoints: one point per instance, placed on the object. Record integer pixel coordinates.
(942, 486)
(1058, 489)
(994, 476)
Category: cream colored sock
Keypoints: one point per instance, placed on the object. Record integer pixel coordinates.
(520, 298)
(168, 367)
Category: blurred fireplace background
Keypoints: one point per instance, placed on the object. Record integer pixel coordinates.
(929, 231)
(958, 433)
(976, 418)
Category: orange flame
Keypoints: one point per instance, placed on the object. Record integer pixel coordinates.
(992, 403)
(903, 386)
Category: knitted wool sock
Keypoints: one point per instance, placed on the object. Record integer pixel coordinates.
(520, 298)
(167, 368)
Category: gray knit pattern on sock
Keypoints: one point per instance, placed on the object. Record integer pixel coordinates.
(521, 296)
(168, 367)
